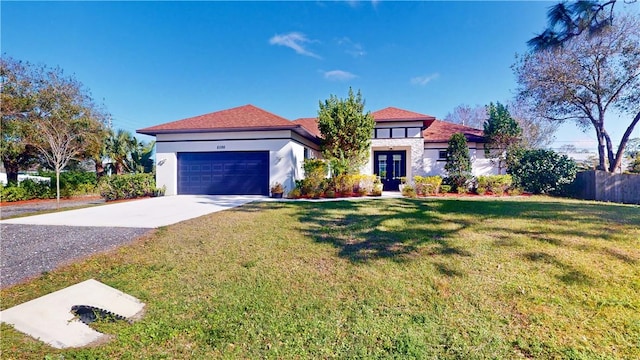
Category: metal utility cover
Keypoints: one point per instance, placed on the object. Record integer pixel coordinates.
(49, 318)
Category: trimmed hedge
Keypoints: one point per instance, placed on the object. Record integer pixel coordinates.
(26, 190)
(427, 185)
(497, 184)
(128, 186)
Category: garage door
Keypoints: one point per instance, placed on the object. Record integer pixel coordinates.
(224, 173)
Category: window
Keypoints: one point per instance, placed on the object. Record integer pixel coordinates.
(398, 133)
(442, 155)
(413, 132)
(383, 133)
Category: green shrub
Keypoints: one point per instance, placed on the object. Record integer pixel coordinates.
(37, 190)
(427, 185)
(445, 188)
(367, 183)
(409, 191)
(128, 186)
(12, 193)
(315, 174)
(73, 182)
(346, 183)
(295, 193)
(543, 171)
(497, 184)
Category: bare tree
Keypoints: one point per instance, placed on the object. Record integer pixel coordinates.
(65, 121)
(537, 132)
(584, 80)
(468, 116)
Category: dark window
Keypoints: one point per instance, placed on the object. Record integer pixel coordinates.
(442, 155)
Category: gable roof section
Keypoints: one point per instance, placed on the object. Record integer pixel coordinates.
(441, 131)
(395, 114)
(243, 117)
(310, 124)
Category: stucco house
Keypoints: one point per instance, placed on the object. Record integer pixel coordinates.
(243, 150)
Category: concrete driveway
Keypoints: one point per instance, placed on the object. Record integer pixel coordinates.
(143, 213)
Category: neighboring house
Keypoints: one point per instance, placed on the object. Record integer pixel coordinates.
(245, 149)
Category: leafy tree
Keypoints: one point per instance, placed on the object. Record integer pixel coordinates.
(458, 164)
(468, 116)
(502, 133)
(542, 171)
(141, 160)
(17, 95)
(570, 20)
(119, 146)
(64, 120)
(346, 132)
(586, 79)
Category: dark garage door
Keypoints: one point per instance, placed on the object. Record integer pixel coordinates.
(224, 173)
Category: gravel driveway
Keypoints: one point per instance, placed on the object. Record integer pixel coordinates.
(30, 250)
(10, 209)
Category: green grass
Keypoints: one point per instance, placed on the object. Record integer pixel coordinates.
(440, 278)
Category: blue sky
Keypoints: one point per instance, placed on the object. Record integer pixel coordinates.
(155, 62)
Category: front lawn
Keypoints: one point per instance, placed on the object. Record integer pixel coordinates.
(437, 278)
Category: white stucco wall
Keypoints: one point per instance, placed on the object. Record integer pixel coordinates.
(479, 163)
(285, 154)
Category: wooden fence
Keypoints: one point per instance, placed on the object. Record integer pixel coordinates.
(603, 186)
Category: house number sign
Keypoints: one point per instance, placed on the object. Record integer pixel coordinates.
(220, 147)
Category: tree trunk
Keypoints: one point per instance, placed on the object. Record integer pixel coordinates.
(58, 187)
(601, 153)
(99, 169)
(12, 169)
(623, 142)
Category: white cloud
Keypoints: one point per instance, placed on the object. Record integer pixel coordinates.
(338, 75)
(424, 80)
(352, 48)
(295, 41)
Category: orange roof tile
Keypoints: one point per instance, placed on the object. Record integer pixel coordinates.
(441, 131)
(310, 124)
(238, 118)
(395, 114)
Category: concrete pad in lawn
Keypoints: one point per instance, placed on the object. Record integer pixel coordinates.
(143, 213)
(49, 318)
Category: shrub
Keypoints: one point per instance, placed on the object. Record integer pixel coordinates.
(73, 182)
(37, 190)
(543, 171)
(295, 193)
(445, 188)
(427, 185)
(128, 186)
(13, 193)
(26, 190)
(409, 191)
(367, 183)
(497, 184)
(315, 173)
(458, 166)
(346, 183)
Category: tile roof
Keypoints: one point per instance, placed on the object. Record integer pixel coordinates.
(441, 131)
(239, 118)
(310, 124)
(395, 114)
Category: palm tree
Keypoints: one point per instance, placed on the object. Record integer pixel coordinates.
(119, 146)
(141, 157)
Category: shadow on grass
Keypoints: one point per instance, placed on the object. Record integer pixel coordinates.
(395, 229)
(365, 230)
(570, 275)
